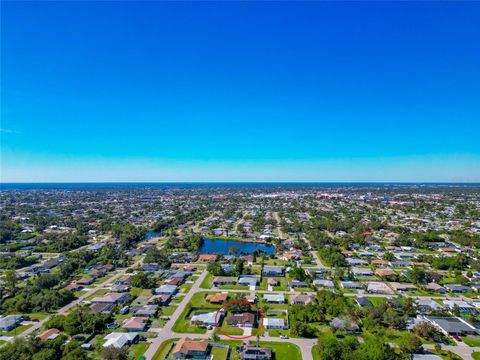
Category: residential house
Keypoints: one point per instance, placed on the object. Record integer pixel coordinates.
(120, 339)
(451, 325)
(207, 319)
(457, 288)
(255, 353)
(323, 284)
(166, 290)
(101, 308)
(218, 298)
(111, 298)
(274, 298)
(245, 319)
(435, 287)
(363, 302)
(302, 299)
(136, 323)
(223, 280)
(186, 348)
(248, 280)
(462, 306)
(297, 284)
(145, 310)
(352, 285)
(48, 334)
(338, 324)
(274, 323)
(375, 287)
(272, 271)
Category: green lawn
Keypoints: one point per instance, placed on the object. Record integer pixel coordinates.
(99, 292)
(163, 349)
(316, 352)
(141, 292)
(476, 355)
(231, 330)
(219, 353)
(168, 310)
(282, 350)
(39, 316)
(472, 341)
(376, 300)
(207, 282)
(17, 331)
(139, 349)
(183, 325)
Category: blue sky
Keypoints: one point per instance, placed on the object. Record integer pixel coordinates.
(119, 91)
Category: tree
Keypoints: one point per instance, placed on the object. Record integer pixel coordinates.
(113, 353)
(215, 268)
(10, 279)
(238, 267)
(411, 344)
(425, 330)
(141, 280)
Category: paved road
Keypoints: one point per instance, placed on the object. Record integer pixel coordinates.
(167, 333)
(462, 349)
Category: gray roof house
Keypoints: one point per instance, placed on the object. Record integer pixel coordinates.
(272, 271)
(166, 290)
(249, 280)
(9, 322)
(451, 325)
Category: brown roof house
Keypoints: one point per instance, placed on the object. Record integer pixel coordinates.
(136, 323)
(188, 348)
(207, 257)
(386, 274)
(242, 319)
(49, 334)
(302, 299)
(218, 298)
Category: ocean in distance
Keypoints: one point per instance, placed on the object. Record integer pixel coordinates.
(139, 185)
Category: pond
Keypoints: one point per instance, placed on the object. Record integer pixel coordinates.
(150, 235)
(221, 246)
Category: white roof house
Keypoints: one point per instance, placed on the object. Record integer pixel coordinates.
(207, 318)
(274, 323)
(274, 298)
(166, 290)
(119, 339)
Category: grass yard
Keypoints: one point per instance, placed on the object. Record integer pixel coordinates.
(376, 300)
(99, 292)
(141, 292)
(39, 316)
(219, 353)
(472, 341)
(168, 310)
(17, 331)
(207, 282)
(231, 330)
(139, 349)
(476, 355)
(316, 352)
(163, 349)
(183, 324)
(282, 350)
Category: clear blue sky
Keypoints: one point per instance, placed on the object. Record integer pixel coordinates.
(119, 91)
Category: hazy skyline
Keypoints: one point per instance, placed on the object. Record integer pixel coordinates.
(240, 91)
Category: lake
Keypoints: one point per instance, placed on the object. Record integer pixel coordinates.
(150, 235)
(221, 246)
